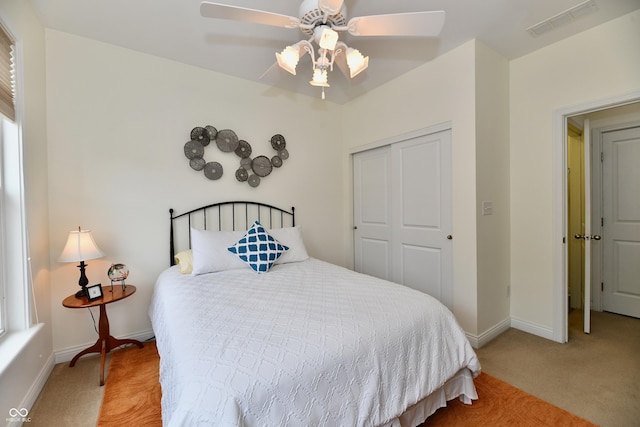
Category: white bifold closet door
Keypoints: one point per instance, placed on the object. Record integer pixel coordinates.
(402, 213)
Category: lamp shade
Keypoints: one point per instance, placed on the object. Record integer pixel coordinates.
(80, 247)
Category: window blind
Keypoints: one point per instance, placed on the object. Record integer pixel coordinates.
(7, 75)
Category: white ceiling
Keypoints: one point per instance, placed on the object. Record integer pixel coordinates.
(175, 30)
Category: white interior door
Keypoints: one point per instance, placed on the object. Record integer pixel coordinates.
(372, 212)
(621, 211)
(576, 207)
(586, 306)
(421, 215)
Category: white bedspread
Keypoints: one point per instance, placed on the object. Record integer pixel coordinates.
(307, 344)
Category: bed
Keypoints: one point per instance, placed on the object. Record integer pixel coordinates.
(301, 343)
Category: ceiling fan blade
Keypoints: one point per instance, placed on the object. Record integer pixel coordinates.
(424, 24)
(236, 13)
(330, 7)
(270, 71)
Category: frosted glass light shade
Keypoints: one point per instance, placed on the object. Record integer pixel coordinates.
(80, 247)
(319, 78)
(328, 39)
(357, 63)
(288, 59)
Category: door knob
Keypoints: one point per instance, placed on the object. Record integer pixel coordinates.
(585, 237)
(449, 237)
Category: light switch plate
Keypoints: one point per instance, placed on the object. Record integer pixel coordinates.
(487, 208)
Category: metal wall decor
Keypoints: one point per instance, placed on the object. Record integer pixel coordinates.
(251, 170)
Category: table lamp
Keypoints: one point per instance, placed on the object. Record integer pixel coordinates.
(80, 247)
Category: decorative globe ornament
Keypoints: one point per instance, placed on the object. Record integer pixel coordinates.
(117, 273)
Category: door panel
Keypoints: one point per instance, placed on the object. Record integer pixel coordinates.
(416, 260)
(621, 180)
(375, 258)
(372, 212)
(419, 161)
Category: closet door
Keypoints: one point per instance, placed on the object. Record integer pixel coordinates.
(372, 212)
(406, 192)
(421, 212)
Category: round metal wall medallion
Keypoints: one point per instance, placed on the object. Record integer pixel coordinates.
(261, 166)
(254, 180)
(213, 170)
(193, 149)
(197, 163)
(201, 135)
(227, 140)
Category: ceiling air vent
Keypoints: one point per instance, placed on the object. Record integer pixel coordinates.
(563, 18)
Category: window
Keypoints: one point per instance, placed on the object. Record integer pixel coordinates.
(14, 299)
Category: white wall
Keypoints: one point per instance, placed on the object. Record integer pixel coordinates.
(596, 64)
(117, 124)
(21, 382)
(442, 90)
(492, 185)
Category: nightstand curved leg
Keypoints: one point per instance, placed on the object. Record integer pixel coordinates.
(103, 354)
(96, 348)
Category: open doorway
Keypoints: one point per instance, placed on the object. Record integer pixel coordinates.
(602, 151)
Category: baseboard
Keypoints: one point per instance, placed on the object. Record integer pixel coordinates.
(38, 384)
(532, 328)
(477, 341)
(65, 355)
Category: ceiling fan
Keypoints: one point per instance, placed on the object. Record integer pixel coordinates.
(322, 20)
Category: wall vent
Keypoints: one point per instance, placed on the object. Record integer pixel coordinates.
(563, 18)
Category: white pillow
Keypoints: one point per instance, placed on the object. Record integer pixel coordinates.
(291, 237)
(210, 252)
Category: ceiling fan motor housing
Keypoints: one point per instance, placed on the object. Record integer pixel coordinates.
(310, 14)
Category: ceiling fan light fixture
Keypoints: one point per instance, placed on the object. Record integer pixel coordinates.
(356, 62)
(327, 38)
(288, 59)
(319, 78)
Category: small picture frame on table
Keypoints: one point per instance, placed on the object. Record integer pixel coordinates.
(94, 292)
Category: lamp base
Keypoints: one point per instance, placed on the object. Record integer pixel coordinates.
(81, 293)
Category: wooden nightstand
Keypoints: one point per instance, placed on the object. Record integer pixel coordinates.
(105, 342)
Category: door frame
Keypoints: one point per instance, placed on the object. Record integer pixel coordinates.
(559, 248)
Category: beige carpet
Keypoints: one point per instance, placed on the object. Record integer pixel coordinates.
(596, 376)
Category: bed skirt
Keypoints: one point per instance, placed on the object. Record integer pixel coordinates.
(460, 386)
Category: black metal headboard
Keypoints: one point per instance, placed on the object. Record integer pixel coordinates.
(234, 215)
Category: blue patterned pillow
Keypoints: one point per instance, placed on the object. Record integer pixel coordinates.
(258, 248)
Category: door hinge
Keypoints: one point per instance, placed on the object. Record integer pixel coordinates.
(601, 222)
(601, 286)
(601, 156)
